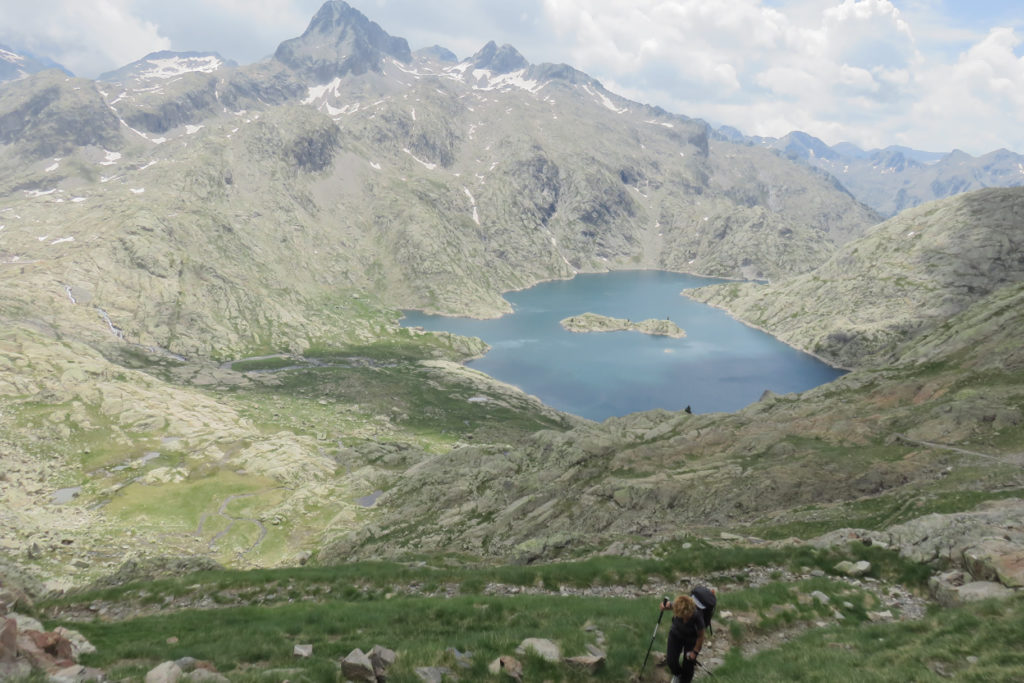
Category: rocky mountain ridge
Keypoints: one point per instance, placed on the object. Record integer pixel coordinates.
(936, 261)
(895, 178)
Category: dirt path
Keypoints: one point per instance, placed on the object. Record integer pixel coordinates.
(1010, 459)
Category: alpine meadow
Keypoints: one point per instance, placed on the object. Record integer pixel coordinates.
(223, 458)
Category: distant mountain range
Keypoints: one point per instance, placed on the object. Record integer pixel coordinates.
(16, 64)
(895, 178)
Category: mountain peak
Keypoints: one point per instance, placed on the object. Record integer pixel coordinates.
(163, 65)
(340, 40)
(16, 64)
(499, 60)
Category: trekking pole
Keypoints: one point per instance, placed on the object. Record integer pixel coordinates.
(710, 672)
(653, 636)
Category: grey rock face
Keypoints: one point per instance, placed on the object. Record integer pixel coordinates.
(48, 115)
(499, 60)
(340, 40)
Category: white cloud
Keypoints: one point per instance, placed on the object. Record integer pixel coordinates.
(86, 37)
(841, 70)
(981, 94)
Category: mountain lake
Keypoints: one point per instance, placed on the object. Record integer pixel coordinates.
(721, 364)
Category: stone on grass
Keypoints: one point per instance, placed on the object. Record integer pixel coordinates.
(357, 666)
(510, 665)
(79, 644)
(205, 676)
(587, 663)
(168, 672)
(885, 615)
(433, 674)
(464, 660)
(303, 650)
(820, 597)
(983, 590)
(996, 559)
(854, 569)
(543, 647)
(382, 658)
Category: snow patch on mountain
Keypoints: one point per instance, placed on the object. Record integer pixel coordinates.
(603, 99)
(176, 66)
(426, 164)
(12, 57)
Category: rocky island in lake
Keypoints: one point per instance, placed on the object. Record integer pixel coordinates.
(592, 322)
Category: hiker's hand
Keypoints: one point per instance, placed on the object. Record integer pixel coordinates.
(692, 655)
(665, 604)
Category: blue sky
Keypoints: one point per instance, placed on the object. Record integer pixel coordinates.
(930, 74)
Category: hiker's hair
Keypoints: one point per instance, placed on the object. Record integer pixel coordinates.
(684, 607)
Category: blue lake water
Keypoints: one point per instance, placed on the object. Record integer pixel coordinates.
(721, 365)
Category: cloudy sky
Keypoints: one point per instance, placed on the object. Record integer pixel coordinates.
(930, 74)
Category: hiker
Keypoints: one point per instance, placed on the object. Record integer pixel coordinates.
(685, 638)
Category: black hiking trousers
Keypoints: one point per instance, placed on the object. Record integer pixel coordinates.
(674, 652)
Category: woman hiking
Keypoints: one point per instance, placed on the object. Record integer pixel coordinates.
(685, 638)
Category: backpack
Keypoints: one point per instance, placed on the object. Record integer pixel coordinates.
(705, 600)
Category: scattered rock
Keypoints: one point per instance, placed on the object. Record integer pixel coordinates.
(885, 615)
(168, 672)
(433, 674)
(510, 665)
(953, 588)
(854, 569)
(79, 645)
(543, 647)
(304, 650)
(357, 666)
(464, 660)
(820, 597)
(382, 658)
(996, 559)
(76, 674)
(587, 663)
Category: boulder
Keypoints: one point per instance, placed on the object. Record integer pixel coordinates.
(79, 645)
(382, 658)
(854, 569)
(953, 588)
(8, 640)
(590, 664)
(996, 559)
(26, 623)
(510, 665)
(984, 590)
(77, 673)
(168, 672)
(543, 647)
(356, 666)
(433, 674)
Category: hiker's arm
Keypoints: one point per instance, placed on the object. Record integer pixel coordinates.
(698, 647)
